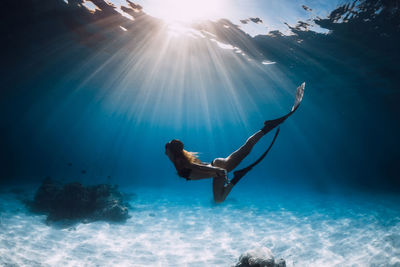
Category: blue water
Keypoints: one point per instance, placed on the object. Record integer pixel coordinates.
(85, 100)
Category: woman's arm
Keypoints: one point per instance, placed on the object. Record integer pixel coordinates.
(200, 171)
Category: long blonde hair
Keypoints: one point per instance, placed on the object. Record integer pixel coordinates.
(181, 156)
(191, 156)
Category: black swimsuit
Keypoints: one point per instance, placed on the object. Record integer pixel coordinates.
(185, 173)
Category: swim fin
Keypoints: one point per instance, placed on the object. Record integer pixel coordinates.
(271, 124)
(268, 126)
(237, 175)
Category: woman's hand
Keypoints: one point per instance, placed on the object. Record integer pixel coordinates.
(200, 171)
(221, 173)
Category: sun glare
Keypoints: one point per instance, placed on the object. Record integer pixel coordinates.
(186, 10)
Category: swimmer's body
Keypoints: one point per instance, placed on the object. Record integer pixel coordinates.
(191, 168)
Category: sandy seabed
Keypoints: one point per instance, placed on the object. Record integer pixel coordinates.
(167, 228)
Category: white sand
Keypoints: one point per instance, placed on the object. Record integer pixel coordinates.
(168, 229)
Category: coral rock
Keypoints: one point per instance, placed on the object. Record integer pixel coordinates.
(259, 257)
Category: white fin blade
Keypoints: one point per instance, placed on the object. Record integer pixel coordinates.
(299, 95)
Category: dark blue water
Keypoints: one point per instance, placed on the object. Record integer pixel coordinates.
(82, 100)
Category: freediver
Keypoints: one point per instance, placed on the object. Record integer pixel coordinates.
(190, 167)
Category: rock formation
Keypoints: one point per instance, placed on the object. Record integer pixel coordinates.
(73, 201)
(259, 257)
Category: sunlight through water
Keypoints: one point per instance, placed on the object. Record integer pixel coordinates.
(188, 10)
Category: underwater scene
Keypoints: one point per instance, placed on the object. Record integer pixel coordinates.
(200, 133)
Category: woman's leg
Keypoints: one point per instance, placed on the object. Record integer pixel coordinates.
(220, 189)
(236, 157)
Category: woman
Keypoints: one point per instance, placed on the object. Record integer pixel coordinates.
(191, 168)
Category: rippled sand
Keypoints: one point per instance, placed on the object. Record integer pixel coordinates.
(168, 228)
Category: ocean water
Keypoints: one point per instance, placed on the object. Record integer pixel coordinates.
(93, 94)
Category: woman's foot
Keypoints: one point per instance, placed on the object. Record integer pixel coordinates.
(271, 124)
(237, 175)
